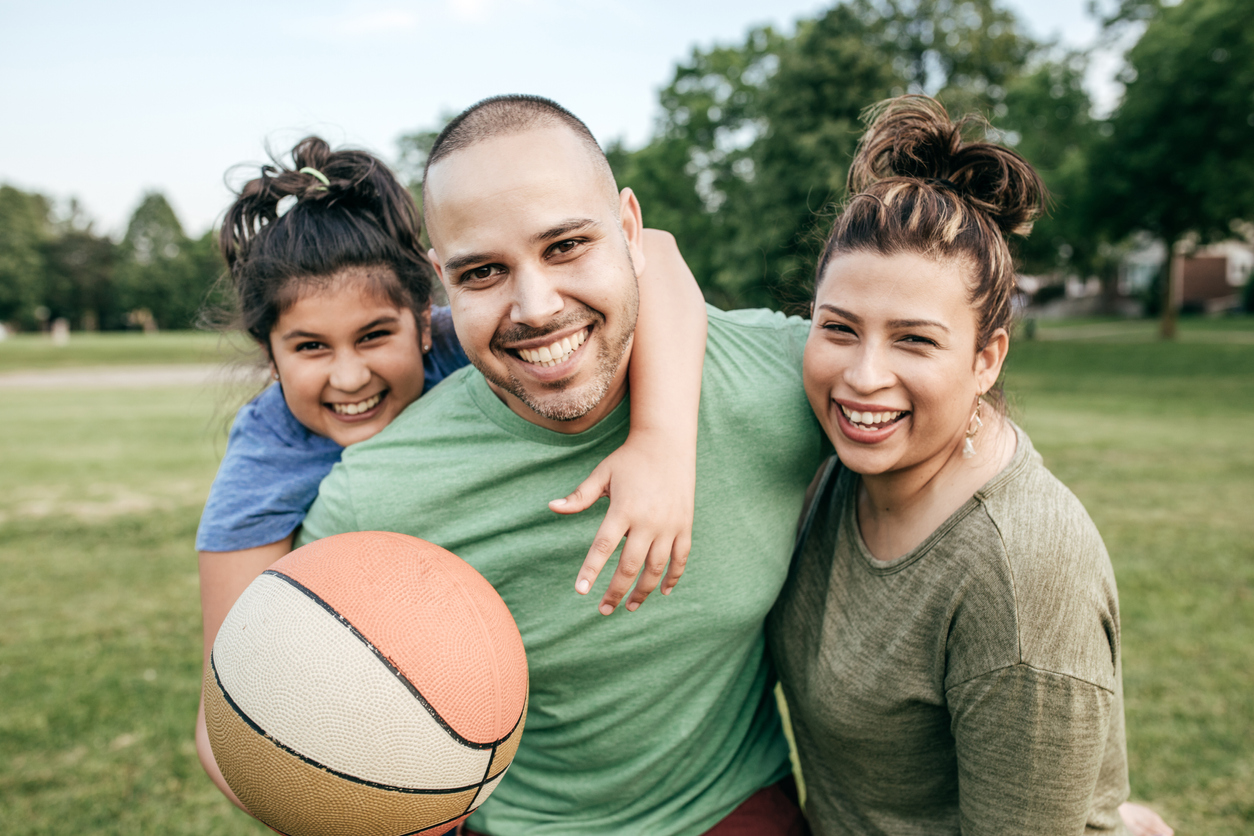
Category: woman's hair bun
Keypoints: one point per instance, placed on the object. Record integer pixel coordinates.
(912, 137)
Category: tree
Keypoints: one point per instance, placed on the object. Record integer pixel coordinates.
(755, 140)
(1179, 157)
(24, 229)
(162, 271)
(1047, 117)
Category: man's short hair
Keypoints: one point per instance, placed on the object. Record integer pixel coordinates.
(505, 115)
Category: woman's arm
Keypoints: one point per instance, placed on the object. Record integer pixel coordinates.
(1038, 752)
(223, 578)
(651, 480)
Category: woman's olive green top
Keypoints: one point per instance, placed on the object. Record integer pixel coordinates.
(970, 686)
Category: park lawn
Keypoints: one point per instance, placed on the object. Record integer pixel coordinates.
(99, 617)
(24, 352)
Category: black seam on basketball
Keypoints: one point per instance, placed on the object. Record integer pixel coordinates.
(388, 662)
(479, 791)
(353, 778)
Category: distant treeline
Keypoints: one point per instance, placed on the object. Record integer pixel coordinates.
(748, 160)
(57, 267)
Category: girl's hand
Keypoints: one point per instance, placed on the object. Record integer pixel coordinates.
(650, 482)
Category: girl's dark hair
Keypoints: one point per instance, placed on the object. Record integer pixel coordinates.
(360, 217)
(919, 187)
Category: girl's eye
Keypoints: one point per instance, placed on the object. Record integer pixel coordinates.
(377, 334)
(837, 328)
(915, 339)
(311, 345)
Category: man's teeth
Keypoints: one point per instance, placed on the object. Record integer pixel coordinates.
(551, 355)
(359, 407)
(870, 420)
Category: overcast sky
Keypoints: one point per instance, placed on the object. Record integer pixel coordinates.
(104, 101)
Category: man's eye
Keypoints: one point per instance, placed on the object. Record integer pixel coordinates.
(565, 246)
(487, 271)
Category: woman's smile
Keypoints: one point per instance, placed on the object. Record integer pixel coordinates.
(868, 423)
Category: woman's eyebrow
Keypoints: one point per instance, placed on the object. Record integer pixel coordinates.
(892, 323)
(917, 323)
(852, 317)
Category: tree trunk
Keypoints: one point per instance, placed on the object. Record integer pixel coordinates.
(1171, 291)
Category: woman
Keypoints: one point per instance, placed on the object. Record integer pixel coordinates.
(948, 638)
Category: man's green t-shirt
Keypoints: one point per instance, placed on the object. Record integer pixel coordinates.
(655, 722)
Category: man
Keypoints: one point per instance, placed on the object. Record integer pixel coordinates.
(655, 722)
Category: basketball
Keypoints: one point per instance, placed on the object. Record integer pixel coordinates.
(369, 683)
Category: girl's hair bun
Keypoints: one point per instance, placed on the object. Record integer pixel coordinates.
(913, 137)
(347, 210)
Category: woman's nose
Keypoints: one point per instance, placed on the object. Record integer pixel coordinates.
(869, 372)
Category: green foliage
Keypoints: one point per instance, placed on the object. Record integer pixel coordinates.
(755, 139)
(1047, 118)
(61, 266)
(163, 271)
(24, 229)
(1178, 158)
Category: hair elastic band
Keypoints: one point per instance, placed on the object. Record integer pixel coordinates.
(316, 174)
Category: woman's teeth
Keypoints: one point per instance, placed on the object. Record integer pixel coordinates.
(551, 355)
(359, 407)
(870, 420)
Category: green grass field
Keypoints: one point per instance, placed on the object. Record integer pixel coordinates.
(99, 618)
(22, 352)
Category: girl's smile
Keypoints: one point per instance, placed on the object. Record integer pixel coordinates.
(348, 358)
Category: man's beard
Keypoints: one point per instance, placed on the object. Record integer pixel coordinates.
(564, 404)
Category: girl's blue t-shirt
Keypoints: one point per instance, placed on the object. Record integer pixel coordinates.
(273, 464)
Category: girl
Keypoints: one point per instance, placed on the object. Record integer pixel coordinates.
(336, 292)
(948, 637)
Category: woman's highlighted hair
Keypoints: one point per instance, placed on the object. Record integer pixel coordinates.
(919, 186)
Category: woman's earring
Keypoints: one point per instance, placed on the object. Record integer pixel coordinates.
(426, 347)
(973, 427)
(274, 373)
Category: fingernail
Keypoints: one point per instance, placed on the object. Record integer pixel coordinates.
(557, 502)
(583, 586)
(633, 606)
(667, 590)
(606, 609)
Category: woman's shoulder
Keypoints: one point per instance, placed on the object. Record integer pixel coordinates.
(1056, 573)
(1038, 518)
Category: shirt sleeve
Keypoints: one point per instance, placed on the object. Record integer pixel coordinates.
(1030, 746)
(267, 479)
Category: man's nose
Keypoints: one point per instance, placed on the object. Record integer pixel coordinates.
(536, 297)
(349, 371)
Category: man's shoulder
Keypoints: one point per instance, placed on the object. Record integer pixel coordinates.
(745, 321)
(754, 347)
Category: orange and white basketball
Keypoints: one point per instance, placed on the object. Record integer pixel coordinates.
(369, 683)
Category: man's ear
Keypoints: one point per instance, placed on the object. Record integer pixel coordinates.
(434, 258)
(989, 359)
(633, 228)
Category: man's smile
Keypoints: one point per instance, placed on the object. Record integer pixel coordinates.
(556, 351)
